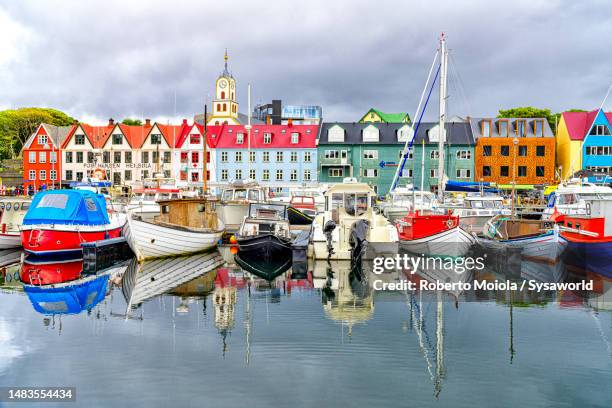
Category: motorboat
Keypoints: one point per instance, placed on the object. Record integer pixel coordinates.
(235, 200)
(403, 200)
(433, 234)
(59, 221)
(183, 226)
(589, 237)
(345, 204)
(316, 192)
(305, 204)
(265, 241)
(477, 210)
(571, 198)
(144, 201)
(538, 240)
(12, 211)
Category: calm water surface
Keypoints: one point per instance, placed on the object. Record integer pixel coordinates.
(186, 333)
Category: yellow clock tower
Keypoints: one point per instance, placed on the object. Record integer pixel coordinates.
(225, 107)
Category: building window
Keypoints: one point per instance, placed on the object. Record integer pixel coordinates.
(42, 157)
(194, 139)
(295, 138)
(42, 139)
(504, 150)
(521, 128)
(266, 157)
(252, 157)
(195, 157)
(293, 176)
(279, 157)
(224, 175)
(487, 150)
(167, 158)
(252, 174)
(332, 154)
(522, 171)
(43, 175)
(53, 157)
(90, 157)
(600, 130)
(116, 157)
(410, 155)
(540, 151)
(433, 173)
(184, 157)
(79, 139)
(32, 175)
(155, 138)
(504, 171)
(486, 128)
(118, 139)
(503, 128)
(267, 138)
(370, 154)
(407, 173)
(266, 175)
(145, 174)
(279, 175)
(486, 171)
(127, 175)
(155, 156)
(195, 176)
(239, 138)
(464, 173)
(539, 171)
(238, 174)
(522, 151)
(538, 127)
(434, 155)
(464, 154)
(53, 175)
(32, 157)
(128, 157)
(69, 175)
(224, 156)
(307, 157)
(145, 157)
(238, 157)
(370, 172)
(68, 157)
(294, 157)
(307, 175)
(335, 172)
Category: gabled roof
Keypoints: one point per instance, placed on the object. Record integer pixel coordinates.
(57, 134)
(388, 117)
(281, 136)
(171, 133)
(458, 133)
(476, 124)
(97, 135)
(579, 123)
(135, 135)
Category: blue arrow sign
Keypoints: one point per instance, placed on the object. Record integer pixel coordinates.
(382, 164)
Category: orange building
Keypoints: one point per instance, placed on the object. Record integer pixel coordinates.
(509, 147)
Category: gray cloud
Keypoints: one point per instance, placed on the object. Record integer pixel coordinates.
(117, 59)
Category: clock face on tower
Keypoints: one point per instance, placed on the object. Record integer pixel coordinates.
(222, 84)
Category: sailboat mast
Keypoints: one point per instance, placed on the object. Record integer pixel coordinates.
(205, 158)
(248, 127)
(442, 132)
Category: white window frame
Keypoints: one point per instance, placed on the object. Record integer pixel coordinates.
(238, 157)
(307, 175)
(42, 175)
(238, 174)
(239, 138)
(370, 154)
(464, 154)
(224, 175)
(335, 172)
(32, 175)
(307, 157)
(434, 155)
(265, 175)
(53, 175)
(464, 173)
(267, 138)
(433, 173)
(252, 174)
(32, 157)
(43, 139)
(280, 157)
(293, 176)
(295, 138)
(293, 157)
(266, 157)
(42, 157)
(224, 157)
(279, 175)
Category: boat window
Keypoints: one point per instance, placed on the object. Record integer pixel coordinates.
(1, 206)
(201, 207)
(569, 224)
(149, 197)
(476, 204)
(227, 195)
(588, 196)
(266, 228)
(240, 195)
(60, 306)
(362, 204)
(25, 206)
(567, 199)
(164, 196)
(8, 206)
(336, 201)
(577, 226)
(488, 204)
(165, 209)
(250, 229)
(54, 201)
(90, 204)
(254, 195)
(174, 195)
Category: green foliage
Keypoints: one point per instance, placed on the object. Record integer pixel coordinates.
(531, 112)
(132, 122)
(16, 125)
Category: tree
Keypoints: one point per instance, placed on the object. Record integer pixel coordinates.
(132, 122)
(531, 112)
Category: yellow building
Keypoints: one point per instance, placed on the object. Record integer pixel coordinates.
(568, 151)
(376, 116)
(225, 107)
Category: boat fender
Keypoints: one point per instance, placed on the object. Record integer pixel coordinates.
(588, 208)
(3, 228)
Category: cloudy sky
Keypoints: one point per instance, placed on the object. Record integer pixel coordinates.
(104, 59)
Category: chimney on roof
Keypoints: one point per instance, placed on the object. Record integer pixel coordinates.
(147, 122)
(184, 121)
(111, 122)
(75, 122)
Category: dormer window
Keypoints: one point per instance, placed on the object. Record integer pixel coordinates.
(43, 139)
(155, 139)
(239, 138)
(403, 133)
(267, 138)
(600, 130)
(118, 139)
(538, 127)
(370, 134)
(335, 134)
(79, 139)
(295, 138)
(485, 130)
(520, 128)
(502, 127)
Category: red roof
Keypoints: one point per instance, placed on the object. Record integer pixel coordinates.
(97, 135)
(135, 135)
(281, 136)
(579, 123)
(171, 133)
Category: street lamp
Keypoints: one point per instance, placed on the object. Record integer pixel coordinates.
(515, 142)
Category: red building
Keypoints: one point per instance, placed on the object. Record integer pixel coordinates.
(42, 156)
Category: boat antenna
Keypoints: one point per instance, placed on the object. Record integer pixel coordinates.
(442, 131)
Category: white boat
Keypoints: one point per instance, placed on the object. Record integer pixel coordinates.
(184, 226)
(571, 198)
(537, 240)
(235, 200)
(477, 210)
(453, 243)
(345, 204)
(12, 211)
(400, 203)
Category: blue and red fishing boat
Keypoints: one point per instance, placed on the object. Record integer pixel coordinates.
(59, 221)
(589, 237)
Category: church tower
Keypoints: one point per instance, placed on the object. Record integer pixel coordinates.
(225, 107)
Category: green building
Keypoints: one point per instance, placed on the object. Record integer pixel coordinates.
(376, 116)
(371, 152)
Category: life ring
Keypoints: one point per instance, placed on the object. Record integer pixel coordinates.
(450, 223)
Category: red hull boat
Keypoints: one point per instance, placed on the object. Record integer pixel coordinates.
(43, 240)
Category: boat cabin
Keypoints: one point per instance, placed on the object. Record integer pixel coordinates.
(243, 192)
(505, 228)
(355, 198)
(12, 211)
(484, 202)
(596, 223)
(266, 219)
(189, 212)
(303, 202)
(155, 194)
